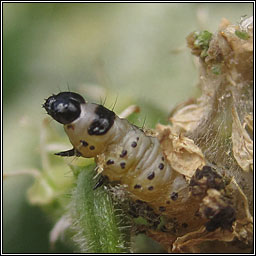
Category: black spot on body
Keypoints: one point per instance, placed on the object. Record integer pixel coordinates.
(70, 126)
(123, 153)
(92, 147)
(137, 186)
(162, 158)
(161, 166)
(122, 164)
(134, 144)
(84, 143)
(174, 196)
(103, 123)
(137, 138)
(151, 176)
(150, 188)
(109, 162)
(168, 202)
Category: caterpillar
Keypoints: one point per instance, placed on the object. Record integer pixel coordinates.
(128, 155)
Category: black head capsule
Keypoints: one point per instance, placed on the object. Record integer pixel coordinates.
(64, 107)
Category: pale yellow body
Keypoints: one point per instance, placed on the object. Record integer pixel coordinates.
(167, 192)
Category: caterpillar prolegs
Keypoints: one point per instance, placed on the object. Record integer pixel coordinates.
(128, 155)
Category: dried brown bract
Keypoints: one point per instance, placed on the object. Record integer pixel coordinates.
(210, 141)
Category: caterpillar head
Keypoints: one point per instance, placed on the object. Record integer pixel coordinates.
(87, 125)
(64, 107)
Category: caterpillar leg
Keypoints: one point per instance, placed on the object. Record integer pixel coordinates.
(71, 152)
(100, 182)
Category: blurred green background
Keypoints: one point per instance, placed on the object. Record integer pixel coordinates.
(133, 52)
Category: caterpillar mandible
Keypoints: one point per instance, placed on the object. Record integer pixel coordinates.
(129, 156)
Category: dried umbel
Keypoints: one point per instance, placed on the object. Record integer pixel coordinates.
(223, 113)
(219, 122)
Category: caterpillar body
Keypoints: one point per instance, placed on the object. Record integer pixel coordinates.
(129, 156)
